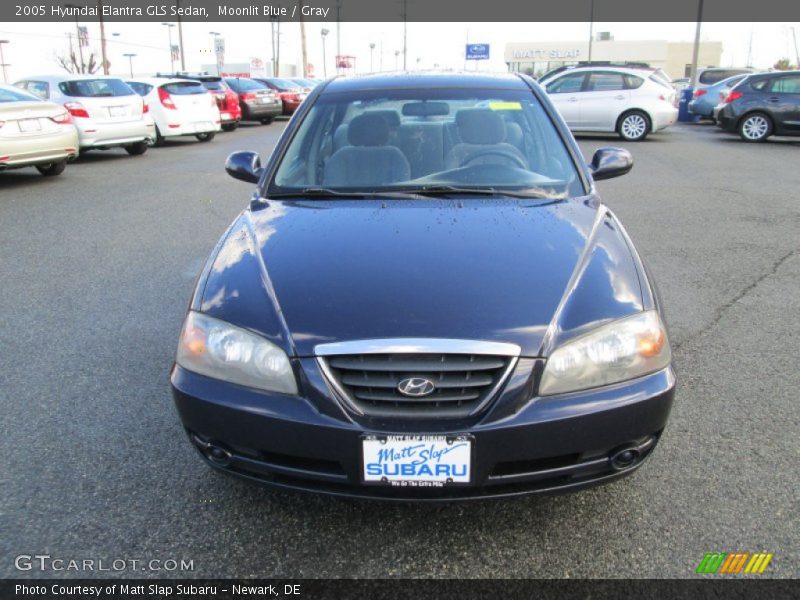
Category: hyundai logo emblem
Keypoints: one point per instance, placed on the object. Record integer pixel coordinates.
(416, 387)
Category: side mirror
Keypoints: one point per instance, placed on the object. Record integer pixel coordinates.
(610, 162)
(245, 166)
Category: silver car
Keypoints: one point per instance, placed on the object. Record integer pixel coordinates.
(106, 111)
(627, 101)
(34, 133)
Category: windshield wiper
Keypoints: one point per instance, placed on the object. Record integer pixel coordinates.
(323, 192)
(446, 190)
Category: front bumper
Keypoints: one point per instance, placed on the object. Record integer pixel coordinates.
(522, 445)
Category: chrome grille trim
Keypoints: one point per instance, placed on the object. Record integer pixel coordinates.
(490, 363)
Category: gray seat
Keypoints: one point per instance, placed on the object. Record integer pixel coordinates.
(483, 141)
(369, 159)
(392, 118)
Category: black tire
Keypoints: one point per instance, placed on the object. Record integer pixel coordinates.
(633, 126)
(159, 141)
(755, 127)
(267, 120)
(230, 126)
(206, 137)
(136, 149)
(53, 169)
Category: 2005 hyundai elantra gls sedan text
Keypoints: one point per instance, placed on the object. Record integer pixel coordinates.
(425, 300)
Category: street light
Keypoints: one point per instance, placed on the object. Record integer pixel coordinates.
(169, 27)
(216, 34)
(371, 52)
(130, 62)
(396, 54)
(3, 60)
(323, 32)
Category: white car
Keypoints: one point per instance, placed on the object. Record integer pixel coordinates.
(106, 111)
(179, 107)
(627, 101)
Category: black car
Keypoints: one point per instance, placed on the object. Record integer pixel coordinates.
(257, 101)
(425, 300)
(763, 105)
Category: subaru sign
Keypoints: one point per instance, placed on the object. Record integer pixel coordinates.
(477, 51)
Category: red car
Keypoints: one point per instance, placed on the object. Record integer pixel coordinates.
(291, 93)
(227, 100)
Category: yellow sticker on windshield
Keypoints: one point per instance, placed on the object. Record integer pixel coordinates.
(505, 106)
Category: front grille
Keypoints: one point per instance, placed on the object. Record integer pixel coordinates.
(464, 383)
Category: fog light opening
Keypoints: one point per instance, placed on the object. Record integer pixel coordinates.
(624, 458)
(217, 455)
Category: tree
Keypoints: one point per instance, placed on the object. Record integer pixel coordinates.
(783, 65)
(72, 63)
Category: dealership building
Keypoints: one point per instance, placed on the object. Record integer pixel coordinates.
(675, 58)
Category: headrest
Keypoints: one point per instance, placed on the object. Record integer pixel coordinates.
(368, 130)
(391, 117)
(480, 126)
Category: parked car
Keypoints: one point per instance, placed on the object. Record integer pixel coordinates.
(105, 110)
(630, 102)
(291, 93)
(179, 107)
(230, 113)
(704, 99)
(710, 75)
(473, 323)
(257, 101)
(642, 66)
(763, 105)
(34, 133)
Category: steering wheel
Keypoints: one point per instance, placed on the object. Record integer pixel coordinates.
(502, 153)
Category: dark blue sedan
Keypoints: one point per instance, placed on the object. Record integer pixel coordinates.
(425, 300)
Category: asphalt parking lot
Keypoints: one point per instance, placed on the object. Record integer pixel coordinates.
(96, 268)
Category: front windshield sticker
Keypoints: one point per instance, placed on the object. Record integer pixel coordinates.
(505, 106)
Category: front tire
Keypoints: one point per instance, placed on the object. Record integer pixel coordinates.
(159, 141)
(136, 149)
(633, 126)
(755, 127)
(53, 169)
(205, 137)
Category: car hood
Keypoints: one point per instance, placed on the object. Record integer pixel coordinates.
(529, 272)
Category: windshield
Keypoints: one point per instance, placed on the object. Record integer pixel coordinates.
(423, 140)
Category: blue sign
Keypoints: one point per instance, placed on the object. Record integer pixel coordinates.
(477, 51)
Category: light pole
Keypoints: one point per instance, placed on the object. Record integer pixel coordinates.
(169, 27)
(396, 54)
(3, 61)
(338, 33)
(180, 34)
(130, 62)
(591, 28)
(796, 51)
(324, 32)
(102, 37)
(696, 48)
(216, 34)
(371, 53)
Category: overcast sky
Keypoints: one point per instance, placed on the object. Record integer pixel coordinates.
(33, 46)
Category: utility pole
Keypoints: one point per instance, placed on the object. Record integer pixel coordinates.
(169, 27)
(338, 34)
(303, 43)
(371, 56)
(405, 32)
(180, 35)
(696, 49)
(323, 32)
(216, 55)
(78, 32)
(102, 36)
(3, 61)
(796, 51)
(591, 28)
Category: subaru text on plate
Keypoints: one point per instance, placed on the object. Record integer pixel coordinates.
(425, 300)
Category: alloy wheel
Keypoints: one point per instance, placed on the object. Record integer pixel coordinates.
(755, 127)
(634, 126)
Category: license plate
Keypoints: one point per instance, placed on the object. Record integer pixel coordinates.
(264, 100)
(117, 111)
(30, 125)
(225, 116)
(417, 460)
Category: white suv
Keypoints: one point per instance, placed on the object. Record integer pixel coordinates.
(106, 112)
(179, 107)
(630, 102)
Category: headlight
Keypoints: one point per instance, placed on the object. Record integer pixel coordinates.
(622, 350)
(223, 351)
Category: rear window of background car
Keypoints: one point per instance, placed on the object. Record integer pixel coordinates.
(214, 86)
(716, 75)
(184, 88)
(7, 95)
(246, 85)
(95, 88)
(140, 88)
